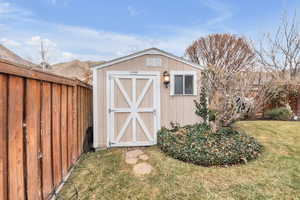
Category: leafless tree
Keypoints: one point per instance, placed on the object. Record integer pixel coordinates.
(234, 96)
(230, 75)
(226, 51)
(280, 52)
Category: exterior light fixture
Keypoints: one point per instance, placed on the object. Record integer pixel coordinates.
(166, 78)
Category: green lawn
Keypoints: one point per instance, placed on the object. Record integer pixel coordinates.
(275, 175)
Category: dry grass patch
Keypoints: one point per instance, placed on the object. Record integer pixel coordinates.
(274, 175)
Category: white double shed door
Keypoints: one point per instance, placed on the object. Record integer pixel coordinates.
(133, 108)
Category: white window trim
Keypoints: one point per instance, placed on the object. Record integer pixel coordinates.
(172, 82)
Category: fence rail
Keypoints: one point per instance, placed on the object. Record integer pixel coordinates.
(44, 121)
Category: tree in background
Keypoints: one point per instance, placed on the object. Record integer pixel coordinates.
(225, 51)
(280, 52)
(230, 71)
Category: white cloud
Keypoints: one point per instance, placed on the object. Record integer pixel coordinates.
(59, 2)
(68, 55)
(223, 11)
(10, 43)
(53, 2)
(132, 11)
(3, 27)
(5, 8)
(37, 40)
(34, 41)
(64, 43)
(10, 10)
(110, 44)
(72, 42)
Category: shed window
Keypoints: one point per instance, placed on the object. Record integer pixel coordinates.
(178, 84)
(183, 83)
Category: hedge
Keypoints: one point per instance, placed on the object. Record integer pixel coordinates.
(281, 113)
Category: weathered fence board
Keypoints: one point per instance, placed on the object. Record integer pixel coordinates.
(64, 129)
(74, 122)
(56, 137)
(32, 121)
(16, 185)
(71, 145)
(82, 115)
(43, 127)
(46, 141)
(79, 120)
(86, 119)
(3, 136)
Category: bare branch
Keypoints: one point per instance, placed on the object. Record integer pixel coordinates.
(231, 76)
(281, 51)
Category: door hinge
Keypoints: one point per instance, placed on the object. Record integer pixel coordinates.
(110, 110)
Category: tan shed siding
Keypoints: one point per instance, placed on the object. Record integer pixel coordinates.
(173, 108)
(102, 108)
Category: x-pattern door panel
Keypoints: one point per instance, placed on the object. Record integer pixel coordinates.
(133, 109)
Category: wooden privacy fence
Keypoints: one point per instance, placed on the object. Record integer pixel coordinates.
(44, 119)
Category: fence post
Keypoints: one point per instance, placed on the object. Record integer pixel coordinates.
(3, 137)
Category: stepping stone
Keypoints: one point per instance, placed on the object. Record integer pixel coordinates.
(143, 157)
(142, 169)
(134, 153)
(131, 161)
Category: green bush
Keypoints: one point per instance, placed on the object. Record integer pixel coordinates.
(196, 144)
(281, 113)
(212, 115)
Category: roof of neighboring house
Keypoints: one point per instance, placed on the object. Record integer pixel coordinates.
(151, 51)
(75, 69)
(7, 54)
(13, 68)
(80, 70)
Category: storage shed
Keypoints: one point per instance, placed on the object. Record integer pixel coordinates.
(136, 95)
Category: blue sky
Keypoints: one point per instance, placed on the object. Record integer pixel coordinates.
(102, 30)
